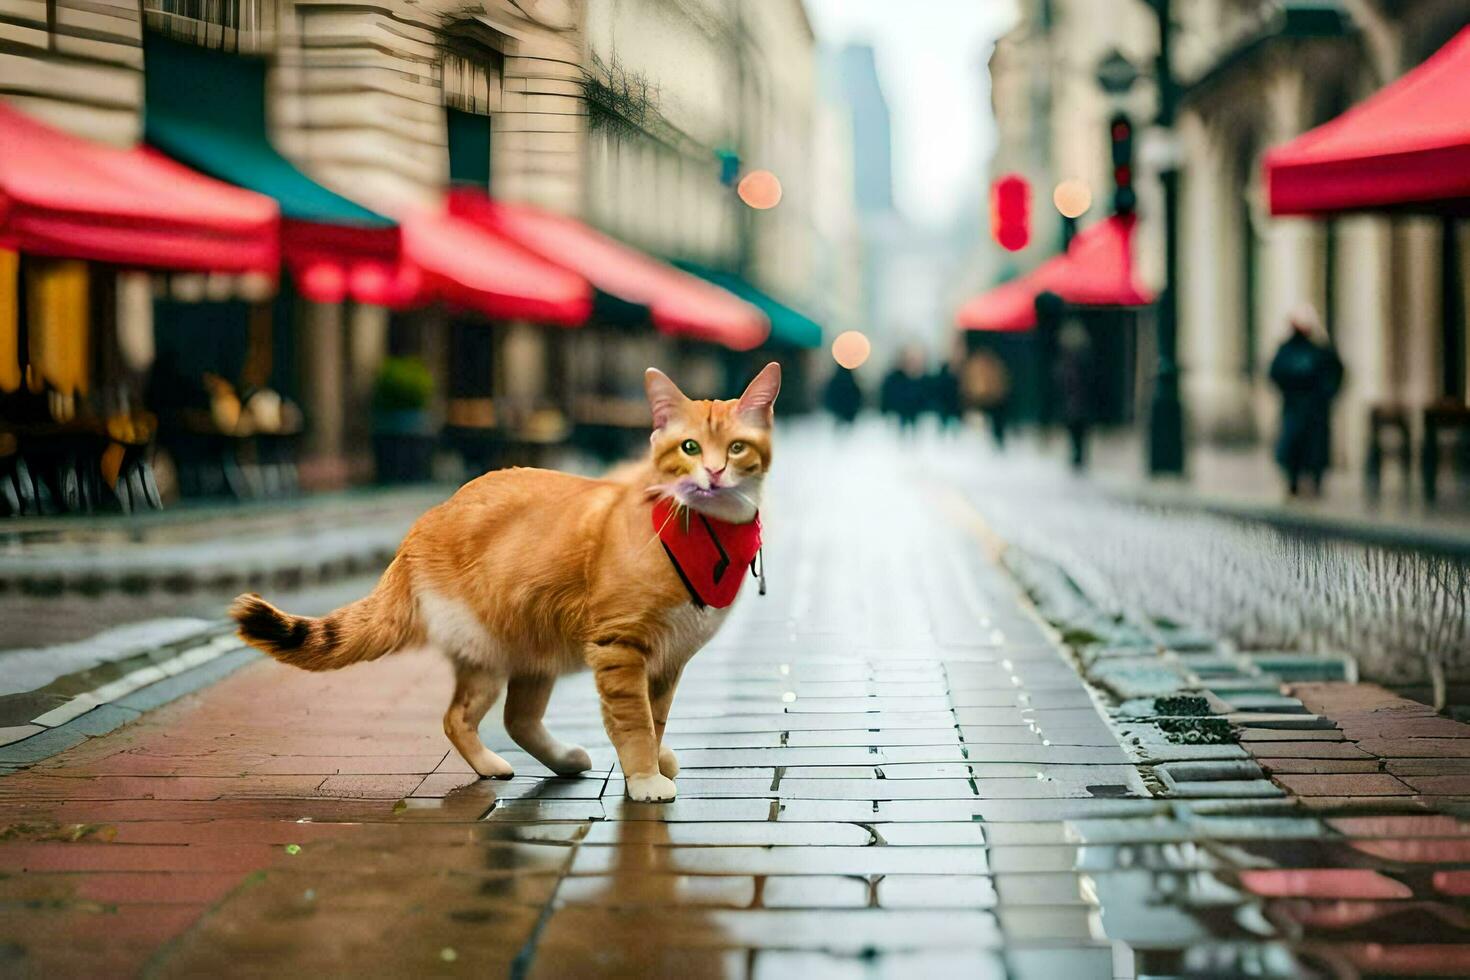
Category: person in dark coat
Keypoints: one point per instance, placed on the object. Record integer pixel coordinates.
(902, 394)
(1308, 373)
(843, 397)
(1076, 382)
(944, 397)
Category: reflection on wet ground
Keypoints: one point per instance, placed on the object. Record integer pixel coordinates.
(889, 768)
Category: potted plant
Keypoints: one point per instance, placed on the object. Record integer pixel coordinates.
(403, 435)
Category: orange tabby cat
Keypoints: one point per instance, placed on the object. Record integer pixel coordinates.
(524, 575)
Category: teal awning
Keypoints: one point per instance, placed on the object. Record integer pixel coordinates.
(207, 109)
(787, 325)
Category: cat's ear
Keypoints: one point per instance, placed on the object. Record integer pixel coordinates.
(664, 397)
(759, 400)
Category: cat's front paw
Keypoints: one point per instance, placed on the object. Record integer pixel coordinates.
(668, 763)
(657, 788)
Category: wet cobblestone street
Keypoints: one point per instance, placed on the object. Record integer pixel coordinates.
(891, 765)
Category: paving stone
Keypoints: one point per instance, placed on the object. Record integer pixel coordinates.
(1427, 767)
(839, 930)
(1318, 766)
(921, 834)
(1310, 750)
(838, 706)
(1253, 734)
(756, 834)
(1417, 748)
(814, 891)
(880, 736)
(14, 733)
(780, 860)
(876, 789)
(1447, 785)
(649, 888)
(1349, 784)
(1047, 925)
(929, 892)
(781, 964)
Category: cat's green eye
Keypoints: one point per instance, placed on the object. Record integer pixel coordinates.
(690, 447)
(736, 448)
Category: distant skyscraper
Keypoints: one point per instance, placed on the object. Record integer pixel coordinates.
(872, 140)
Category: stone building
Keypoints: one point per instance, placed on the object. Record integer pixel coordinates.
(634, 116)
(1253, 76)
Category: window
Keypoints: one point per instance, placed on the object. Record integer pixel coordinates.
(469, 148)
(473, 72)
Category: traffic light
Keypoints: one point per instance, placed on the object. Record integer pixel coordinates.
(1120, 136)
(1010, 212)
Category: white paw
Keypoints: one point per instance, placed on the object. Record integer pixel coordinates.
(651, 789)
(668, 763)
(571, 761)
(492, 766)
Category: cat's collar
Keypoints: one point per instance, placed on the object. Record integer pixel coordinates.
(709, 555)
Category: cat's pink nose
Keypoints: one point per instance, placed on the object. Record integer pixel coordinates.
(714, 474)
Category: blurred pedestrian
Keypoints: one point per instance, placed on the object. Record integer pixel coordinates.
(988, 387)
(944, 397)
(1308, 373)
(902, 394)
(1076, 383)
(843, 397)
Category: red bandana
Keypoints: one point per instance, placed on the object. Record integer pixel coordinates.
(710, 555)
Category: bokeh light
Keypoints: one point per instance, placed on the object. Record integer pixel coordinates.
(851, 349)
(1072, 198)
(760, 189)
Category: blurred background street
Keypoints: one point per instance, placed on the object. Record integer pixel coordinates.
(1119, 541)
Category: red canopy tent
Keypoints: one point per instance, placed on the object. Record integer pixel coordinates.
(68, 197)
(1406, 147)
(1096, 270)
(679, 304)
(471, 266)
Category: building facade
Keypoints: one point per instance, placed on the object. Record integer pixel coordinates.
(635, 116)
(1253, 76)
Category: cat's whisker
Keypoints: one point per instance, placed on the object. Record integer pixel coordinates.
(673, 511)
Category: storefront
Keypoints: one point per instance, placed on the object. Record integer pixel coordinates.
(1403, 152)
(1015, 326)
(85, 229)
(603, 366)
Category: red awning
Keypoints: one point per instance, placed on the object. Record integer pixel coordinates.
(678, 303)
(1096, 270)
(470, 265)
(1405, 147)
(68, 197)
(331, 263)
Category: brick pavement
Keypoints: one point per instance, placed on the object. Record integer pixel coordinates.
(889, 769)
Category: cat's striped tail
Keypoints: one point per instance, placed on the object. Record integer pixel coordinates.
(381, 623)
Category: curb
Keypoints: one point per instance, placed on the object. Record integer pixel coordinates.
(1446, 541)
(128, 689)
(303, 542)
(223, 570)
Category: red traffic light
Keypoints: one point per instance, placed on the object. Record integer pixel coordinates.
(1010, 212)
(1120, 133)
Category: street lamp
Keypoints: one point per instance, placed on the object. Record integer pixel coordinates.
(1116, 75)
(1166, 414)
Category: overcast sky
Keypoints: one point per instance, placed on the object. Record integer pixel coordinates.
(931, 62)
